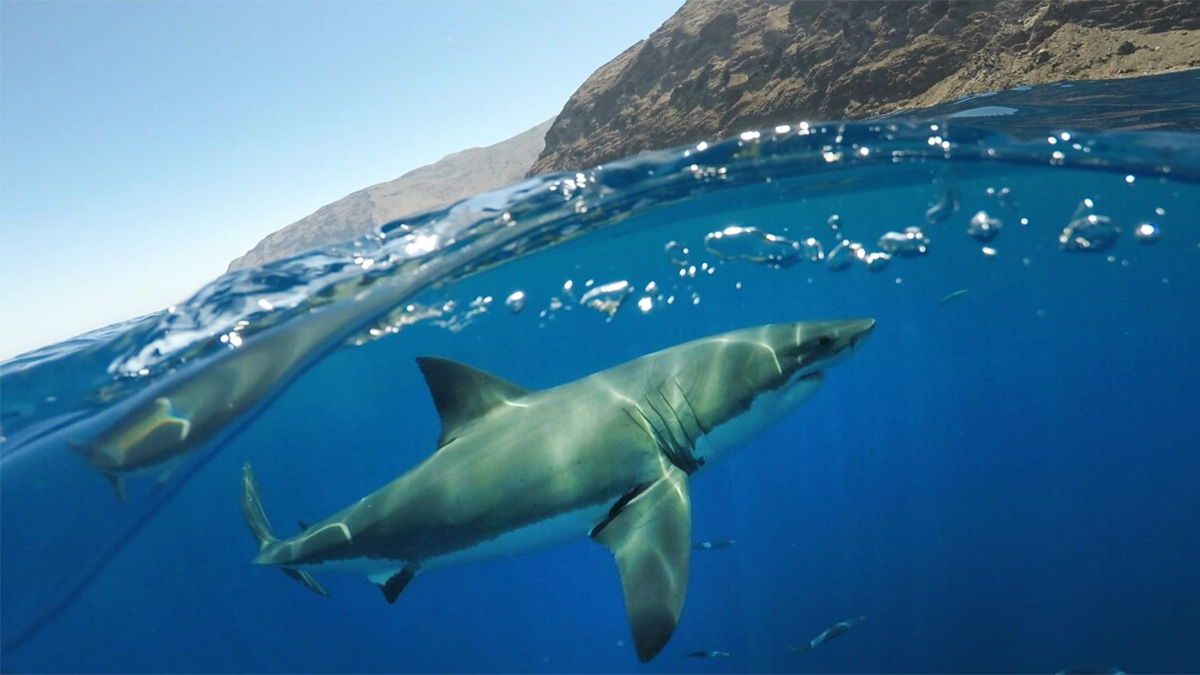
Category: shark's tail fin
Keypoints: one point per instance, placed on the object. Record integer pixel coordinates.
(260, 527)
(252, 509)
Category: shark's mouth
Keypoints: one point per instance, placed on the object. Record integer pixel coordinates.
(815, 376)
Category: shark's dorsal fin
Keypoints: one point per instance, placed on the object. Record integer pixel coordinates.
(650, 536)
(462, 393)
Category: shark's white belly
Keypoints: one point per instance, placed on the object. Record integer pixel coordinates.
(560, 529)
(570, 526)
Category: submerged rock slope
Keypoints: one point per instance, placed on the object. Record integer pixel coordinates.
(444, 182)
(719, 67)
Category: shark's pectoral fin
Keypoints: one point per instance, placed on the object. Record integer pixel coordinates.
(650, 537)
(393, 584)
(462, 393)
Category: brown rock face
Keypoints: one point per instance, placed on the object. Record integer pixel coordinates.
(719, 67)
(454, 177)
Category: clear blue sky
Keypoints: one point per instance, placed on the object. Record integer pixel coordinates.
(144, 145)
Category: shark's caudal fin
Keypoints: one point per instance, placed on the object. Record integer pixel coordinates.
(462, 393)
(650, 536)
(260, 527)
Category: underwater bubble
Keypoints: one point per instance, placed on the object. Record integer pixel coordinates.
(1089, 233)
(983, 227)
(988, 252)
(405, 315)
(455, 322)
(840, 256)
(750, 243)
(1004, 196)
(1147, 233)
(677, 253)
(911, 242)
(944, 208)
(847, 252)
(607, 298)
(811, 248)
(875, 261)
(835, 222)
(645, 304)
(515, 302)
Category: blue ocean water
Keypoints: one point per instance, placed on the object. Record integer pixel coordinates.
(1003, 479)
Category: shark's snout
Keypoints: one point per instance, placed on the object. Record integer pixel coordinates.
(860, 329)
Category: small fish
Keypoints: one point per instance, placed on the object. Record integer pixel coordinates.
(712, 654)
(1092, 670)
(715, 544)
(952, 297)
(830, 633)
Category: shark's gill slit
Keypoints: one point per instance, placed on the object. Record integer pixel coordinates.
(688, 443)
(676, 451)
(695, 418)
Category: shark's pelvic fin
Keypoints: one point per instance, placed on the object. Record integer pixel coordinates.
(118, 486)
(650, 537)
(462, 393)
(394, 585)
(260, 527)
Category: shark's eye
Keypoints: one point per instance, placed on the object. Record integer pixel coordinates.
(824, 340)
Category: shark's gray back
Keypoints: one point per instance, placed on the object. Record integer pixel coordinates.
(546, 454)
(512, 458)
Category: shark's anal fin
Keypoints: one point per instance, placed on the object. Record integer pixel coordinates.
(462, 393)
(650, 537)
(394, 585)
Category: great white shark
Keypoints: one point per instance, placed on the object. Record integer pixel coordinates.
(607, 456)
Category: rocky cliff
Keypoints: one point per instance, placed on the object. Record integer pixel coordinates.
(444, 182)
(719, 67)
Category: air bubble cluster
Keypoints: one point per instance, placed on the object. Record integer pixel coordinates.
(983, 227)
(909, 243)
(750, 243)
(1089, 233)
